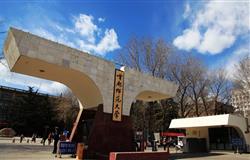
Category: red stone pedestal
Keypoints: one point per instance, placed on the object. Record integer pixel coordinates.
(108, 136)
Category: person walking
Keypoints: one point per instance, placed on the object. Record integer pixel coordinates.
(56, 137)
(45, 135)
(164, 142)
(49, 138)
(21, 138)
(33, 138)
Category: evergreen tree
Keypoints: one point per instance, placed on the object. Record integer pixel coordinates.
(32, 112)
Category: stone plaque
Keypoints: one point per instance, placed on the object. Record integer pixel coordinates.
(118, 95)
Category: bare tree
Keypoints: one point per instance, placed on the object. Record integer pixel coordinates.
(220, 88)
(131, 56)
(206, 100)
(146, 55)
(242, 77)
(156, 56)
(67, 108)
(198, 82)
(196, 87)
(150, 56)
(178, 71)
(191, 75)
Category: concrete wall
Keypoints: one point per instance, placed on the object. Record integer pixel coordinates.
(89, 77)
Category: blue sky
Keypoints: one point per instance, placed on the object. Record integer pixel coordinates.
(215, 31)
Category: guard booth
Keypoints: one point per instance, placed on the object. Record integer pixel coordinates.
(218, 132)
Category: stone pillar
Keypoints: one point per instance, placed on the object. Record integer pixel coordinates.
(108, 136)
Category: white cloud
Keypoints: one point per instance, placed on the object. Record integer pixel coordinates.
(100, 19)
(85, 26)
(60, 38)
(107, 43)
(52, 87)
(4, 70)
(69, 30)
(187, 11)
(190, 39)
(213, 43)
(233, 60)
(58, 27)
(44, 33)
(219, 24)
(83, 35)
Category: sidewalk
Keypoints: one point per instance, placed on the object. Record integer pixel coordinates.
(31, 151)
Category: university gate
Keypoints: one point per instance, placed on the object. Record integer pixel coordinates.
(94, 81)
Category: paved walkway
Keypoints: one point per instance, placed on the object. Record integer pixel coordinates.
(210, 156)
(25, 151)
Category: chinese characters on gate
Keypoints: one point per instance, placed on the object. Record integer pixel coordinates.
(118, 95)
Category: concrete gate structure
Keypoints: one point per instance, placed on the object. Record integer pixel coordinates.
(91, 79)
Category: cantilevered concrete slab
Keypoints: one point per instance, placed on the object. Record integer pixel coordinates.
(89, 77)
(209, 121)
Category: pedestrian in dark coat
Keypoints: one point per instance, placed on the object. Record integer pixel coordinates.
(56, 137)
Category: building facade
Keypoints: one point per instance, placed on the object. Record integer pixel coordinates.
(8, 96)
(241, 101)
